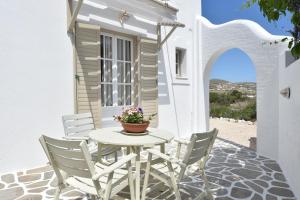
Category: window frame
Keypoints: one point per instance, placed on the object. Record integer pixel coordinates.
(180, 66)
(115, 61)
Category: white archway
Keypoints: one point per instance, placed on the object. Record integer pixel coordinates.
(255, 42)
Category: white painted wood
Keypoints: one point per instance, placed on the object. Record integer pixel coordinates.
(74, 16)
(88, 71)
(82, 173)
(113, 136)
(148, 78)
(198, 150)
(78, 127)
(78, 123)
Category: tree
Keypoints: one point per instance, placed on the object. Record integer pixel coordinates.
(274, 9)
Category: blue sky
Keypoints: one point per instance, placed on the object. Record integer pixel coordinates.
(234, 65)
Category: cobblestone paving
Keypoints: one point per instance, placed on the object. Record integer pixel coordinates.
(235, 172)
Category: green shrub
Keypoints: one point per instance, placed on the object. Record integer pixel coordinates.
(220, 106)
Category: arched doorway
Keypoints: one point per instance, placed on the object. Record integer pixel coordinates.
(254, 41)
(232, 97)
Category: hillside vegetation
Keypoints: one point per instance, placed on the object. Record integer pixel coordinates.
(228, 103)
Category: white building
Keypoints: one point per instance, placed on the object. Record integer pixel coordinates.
(115, 53)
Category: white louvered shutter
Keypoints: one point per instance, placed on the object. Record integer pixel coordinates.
(87, 45)
(149, 78)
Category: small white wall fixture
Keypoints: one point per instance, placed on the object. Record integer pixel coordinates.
(253, 40)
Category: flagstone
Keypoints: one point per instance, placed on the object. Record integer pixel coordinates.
(273, 166)
(39, 169)
(31, 197)
(270, 197)
(29, 178)
(255, 187)
(50, 192)
(230, 181)
(8, 178)
(48, 175)
(261, 183)
(279, 184)
(240, 193)
(257, 197)
(38, 184)
(246, 173)
(37, 190)
(279, 177)
(281, 192)
(11, 193)
(13, 185)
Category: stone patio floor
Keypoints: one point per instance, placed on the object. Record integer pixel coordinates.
(234, 171)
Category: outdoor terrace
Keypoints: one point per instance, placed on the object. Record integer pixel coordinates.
(236, 172)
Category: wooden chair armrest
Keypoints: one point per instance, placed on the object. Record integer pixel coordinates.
(114, 166)
(165, 157)
(182, 141)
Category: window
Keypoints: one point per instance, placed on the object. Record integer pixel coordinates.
(180, 62)
(116, 71)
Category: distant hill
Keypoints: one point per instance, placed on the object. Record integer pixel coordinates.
(218, 85)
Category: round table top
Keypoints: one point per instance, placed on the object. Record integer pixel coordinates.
(114, 136)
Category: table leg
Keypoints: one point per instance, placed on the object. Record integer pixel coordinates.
(138, 174)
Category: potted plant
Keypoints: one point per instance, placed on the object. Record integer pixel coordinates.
(132, 120)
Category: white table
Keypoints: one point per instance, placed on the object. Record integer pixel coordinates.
(113, 136)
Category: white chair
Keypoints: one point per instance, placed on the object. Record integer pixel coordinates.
(78, 126)
(172, 169)
(72, 164)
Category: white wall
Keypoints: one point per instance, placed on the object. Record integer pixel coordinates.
(37, 76)
(289, 126)
(176, 95)
(36, 79)
(250, 38)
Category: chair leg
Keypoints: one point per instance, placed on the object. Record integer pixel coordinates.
(207, 194)
(173, 181)
(131, 184)
(108, 186)
(147, 174)
(57, 193)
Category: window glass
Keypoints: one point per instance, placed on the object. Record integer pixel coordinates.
(120, 49)
(180, 65)
(116, 67)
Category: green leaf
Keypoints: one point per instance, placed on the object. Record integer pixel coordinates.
(296, 50)
(291, 44)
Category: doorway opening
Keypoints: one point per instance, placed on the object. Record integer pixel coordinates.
(232, 97)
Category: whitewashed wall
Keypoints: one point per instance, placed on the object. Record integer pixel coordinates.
(37, 76)
(176, 95)
(254, 41)
(36, 79)
(289, 126)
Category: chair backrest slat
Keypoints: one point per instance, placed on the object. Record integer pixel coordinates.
(72, 144)
(78, 123)
(65, 152)
(68, 156)
(81, 122)
(198, 150)
(75, 171)
(70, 162)
(199, 143)
(80, 129)
(199, 146)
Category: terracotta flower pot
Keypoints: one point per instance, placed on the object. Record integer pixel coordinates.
(135, 128)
